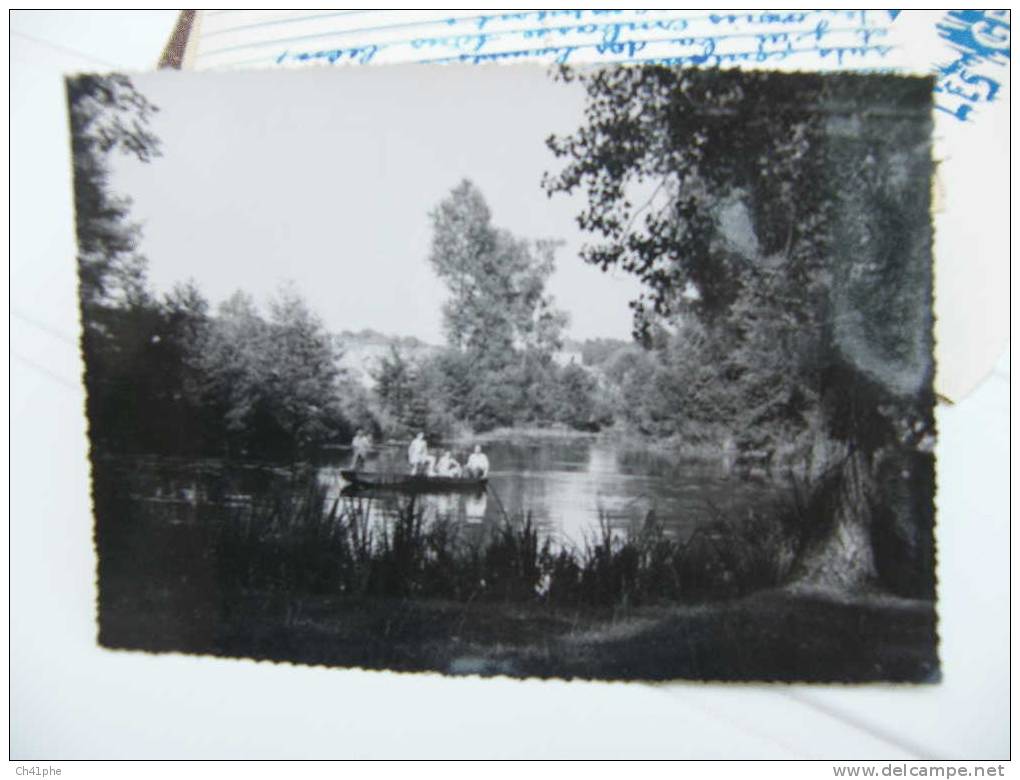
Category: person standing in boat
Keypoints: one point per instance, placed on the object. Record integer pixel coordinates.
(448, 466)
(361, 444)
(418, 456)
(477, 464)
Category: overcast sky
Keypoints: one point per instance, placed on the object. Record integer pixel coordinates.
(326, 177)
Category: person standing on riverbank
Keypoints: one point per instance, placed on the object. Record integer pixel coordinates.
(477, 464)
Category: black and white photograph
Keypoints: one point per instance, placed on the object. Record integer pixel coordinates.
(616, 373)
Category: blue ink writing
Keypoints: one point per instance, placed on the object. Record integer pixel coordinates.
(981, 40)
(645, 36)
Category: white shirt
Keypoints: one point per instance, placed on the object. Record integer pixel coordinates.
(479, 461)
(417, 451)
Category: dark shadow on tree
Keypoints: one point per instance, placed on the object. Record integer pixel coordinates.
(788, 217)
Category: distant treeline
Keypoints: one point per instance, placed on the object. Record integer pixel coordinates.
(370, 336)
(449, 392)
(167, 376)
(172, 375)
(445, 390)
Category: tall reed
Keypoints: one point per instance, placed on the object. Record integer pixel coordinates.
(297, 541)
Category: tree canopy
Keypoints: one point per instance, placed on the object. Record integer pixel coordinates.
(497, 281)
(768, 207)
(107, 115)
(167, 375)
(503, 329)
(779, 225)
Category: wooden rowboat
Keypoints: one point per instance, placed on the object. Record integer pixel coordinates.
(412, 483)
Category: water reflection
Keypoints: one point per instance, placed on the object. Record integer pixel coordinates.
(460, 506)
(569, 485)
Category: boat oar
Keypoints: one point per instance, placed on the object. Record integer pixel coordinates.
(495, 495)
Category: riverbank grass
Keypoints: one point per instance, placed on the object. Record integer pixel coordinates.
(771, 635)
(299, 577)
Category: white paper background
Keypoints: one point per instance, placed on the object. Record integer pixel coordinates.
(70, 699)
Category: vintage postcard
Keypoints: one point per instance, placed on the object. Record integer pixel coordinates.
(541, 371)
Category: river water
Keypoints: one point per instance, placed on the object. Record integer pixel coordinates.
(570, 485)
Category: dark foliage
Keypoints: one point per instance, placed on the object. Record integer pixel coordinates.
(502, 328)
(169, 376)
(780, 227)
(292, 540)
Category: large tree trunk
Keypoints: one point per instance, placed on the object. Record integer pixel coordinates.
(840, 554)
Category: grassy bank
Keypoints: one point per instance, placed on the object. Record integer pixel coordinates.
(675, 447)
(292, 576)
(524, 432)
(295, 540)
(772, 635)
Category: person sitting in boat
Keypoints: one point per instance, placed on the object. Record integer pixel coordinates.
(477, 464)
(360, 445)
(448, 466)
(418, 456)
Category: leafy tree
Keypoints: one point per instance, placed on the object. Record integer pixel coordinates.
(578, 390)
(170, 382)
(234, 360)
(595, 352)
(418, 395)
(165, 375)
(107, 115)
(502, 327)
(275, 382)
(788, 215)
(304, 374)
(395, 385)
(186, 320)
(497, 281)
(142, 391)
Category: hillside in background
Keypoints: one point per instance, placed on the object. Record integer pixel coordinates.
(364, 349)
